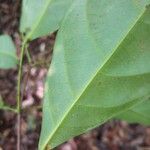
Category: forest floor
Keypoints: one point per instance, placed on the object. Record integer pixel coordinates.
(113, 135)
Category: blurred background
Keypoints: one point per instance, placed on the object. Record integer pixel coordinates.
(113, 135)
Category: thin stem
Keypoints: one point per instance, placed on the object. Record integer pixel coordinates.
(28, 54)
(9, 109)
(20, 77)
(18, 131)
(40, 63)
(19, 97)
(38, 107)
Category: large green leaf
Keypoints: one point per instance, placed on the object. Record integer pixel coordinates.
(40, 17)
(100, 67)
(8, 58)
(138, 114)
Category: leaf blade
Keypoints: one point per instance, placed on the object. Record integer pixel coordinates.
(138, 114)
(8, 58)
(46, 20)
(77, 80)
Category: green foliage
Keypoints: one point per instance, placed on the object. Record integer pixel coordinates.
(100, 67)
(1, 103)
(40, 17)
(138, 114)
(8, 57)
(101, 63)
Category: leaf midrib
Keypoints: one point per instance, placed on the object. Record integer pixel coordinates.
(106, 60)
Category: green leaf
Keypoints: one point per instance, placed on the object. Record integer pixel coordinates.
(100, 67)
(8, 57)
(1, 103)
(40, 17)
(138, 114)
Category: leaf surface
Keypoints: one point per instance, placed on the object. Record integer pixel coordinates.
(138, 114)
(40, 17)
(100, 67)
(8, 58)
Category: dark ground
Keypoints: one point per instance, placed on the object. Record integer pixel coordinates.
(114, 135)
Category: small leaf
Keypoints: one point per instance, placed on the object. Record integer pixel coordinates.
(1, 103)
(100, 67)
(138, 114)
(40, 17)
(8, 57)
